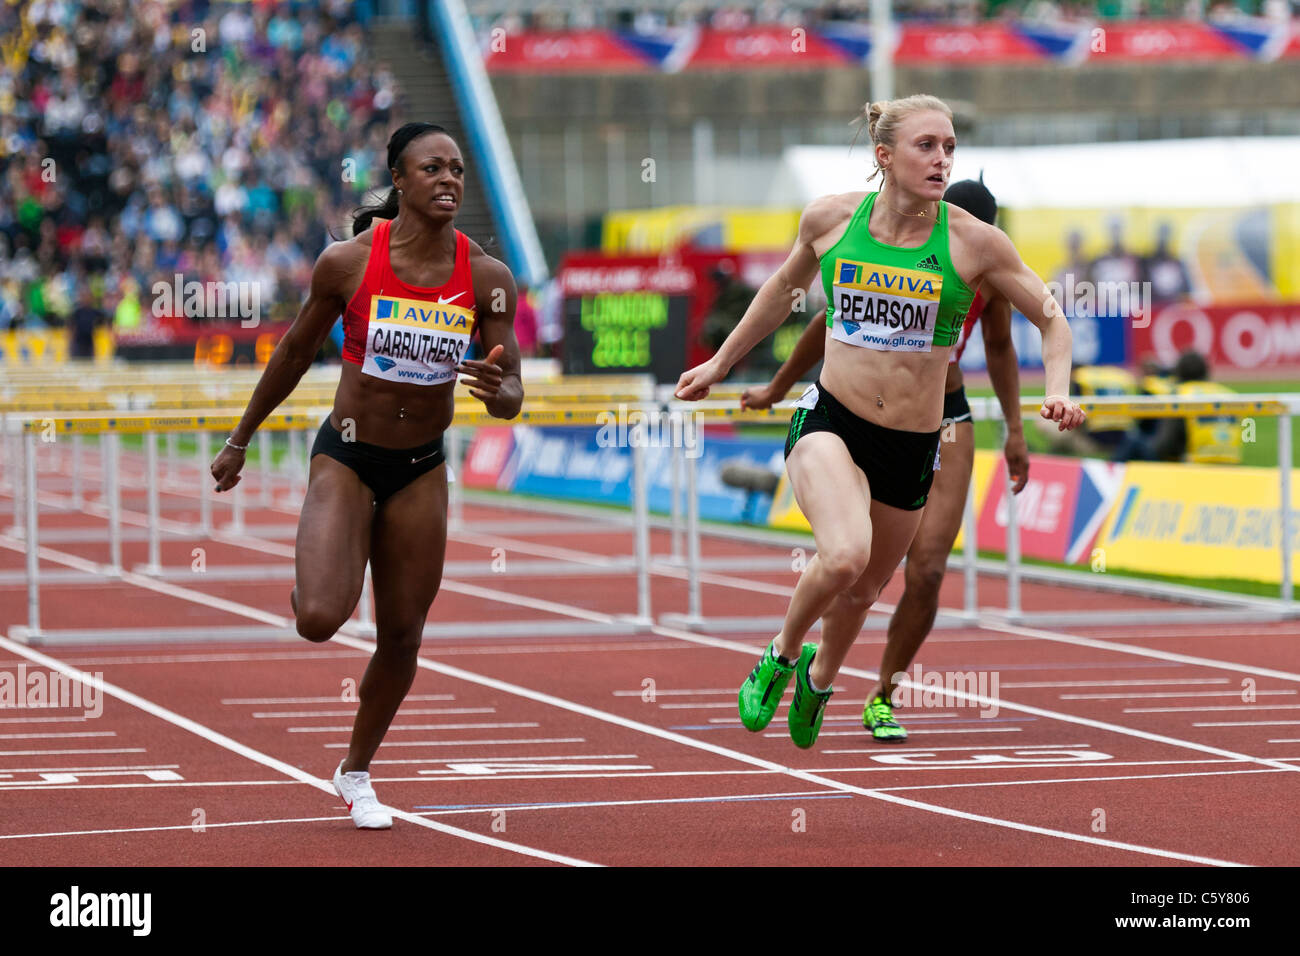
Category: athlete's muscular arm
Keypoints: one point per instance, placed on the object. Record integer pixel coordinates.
(1004, 373)
(1002, 268)
(770, 306)
(808, 351)
(495, 381)
(294, 353)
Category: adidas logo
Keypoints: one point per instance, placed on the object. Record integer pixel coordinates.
(930, 263)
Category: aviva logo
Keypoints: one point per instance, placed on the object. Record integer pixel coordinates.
(887, 280)
(421, 314)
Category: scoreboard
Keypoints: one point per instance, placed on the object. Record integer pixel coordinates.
(626, 315)
(626, 332)
(646, 314)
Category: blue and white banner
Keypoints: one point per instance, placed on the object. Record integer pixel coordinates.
(1097, 341)
(575, 463)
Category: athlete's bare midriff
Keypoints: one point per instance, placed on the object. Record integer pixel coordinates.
(391, 414)
(904, 390)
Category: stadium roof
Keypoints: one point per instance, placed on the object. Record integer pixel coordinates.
(1162, 173)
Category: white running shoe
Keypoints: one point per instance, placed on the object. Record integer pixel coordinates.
(355, 789)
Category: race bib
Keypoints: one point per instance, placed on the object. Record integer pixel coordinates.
(885, 308)
(415, 340)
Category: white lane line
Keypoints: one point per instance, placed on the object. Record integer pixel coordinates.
(1199, 710)
(1286, 740)
(1177, 681)
(559, 649)
(289, 770)
(43, 720)
(670, 693)
(21, 785)
(401, 713)
(472, 743)
(711, 706)
(891, 749)
(917, 733)
(1001, 702)
(426, 776)
(425, 813)
(348, 729)
(494, 759)
(184, 826)
(807, 777)
(124, 768)
(839, 720)
(94, 733)
(306, 655)
(1193, 693)
(667, 801)
(448, 776)
(55, 753)
(336, 699)
(1098, 644)
(1021, 783)
(1250, 723)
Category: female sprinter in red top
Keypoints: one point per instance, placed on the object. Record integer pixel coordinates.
(412, 289)
(900, 268)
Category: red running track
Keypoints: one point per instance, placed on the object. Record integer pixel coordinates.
(536, 726)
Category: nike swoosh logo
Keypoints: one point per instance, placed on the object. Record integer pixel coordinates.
(417, 460)
(442, 301)
(349, 804)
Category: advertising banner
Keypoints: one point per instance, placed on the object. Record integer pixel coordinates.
(1200, 521)
(1240, 337)
(582, 464)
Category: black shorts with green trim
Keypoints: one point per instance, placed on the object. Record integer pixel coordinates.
(899, 465)
(955, 406)
(385, 471)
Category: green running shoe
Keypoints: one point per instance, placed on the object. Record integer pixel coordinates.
(808, 706)
(762, 690)
(878, 717)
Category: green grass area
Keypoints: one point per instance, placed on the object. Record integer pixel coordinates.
(187, 446)
(1262, 452)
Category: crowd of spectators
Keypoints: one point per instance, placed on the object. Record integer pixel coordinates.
(516, 17)
(140, 139)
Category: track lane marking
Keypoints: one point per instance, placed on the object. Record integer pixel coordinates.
(689, 637)
(199, 597)
(289, 770)
(1000, 702)
(807, 777)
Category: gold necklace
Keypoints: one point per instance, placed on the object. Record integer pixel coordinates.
(911, 215)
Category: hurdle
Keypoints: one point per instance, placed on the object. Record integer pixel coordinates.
(222, 420)
(1211, 604)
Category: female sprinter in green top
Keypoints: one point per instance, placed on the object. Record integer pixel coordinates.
(899, 269)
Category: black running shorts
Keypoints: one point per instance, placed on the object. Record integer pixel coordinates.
(385, 471)
(899, 465)
(955, 406)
